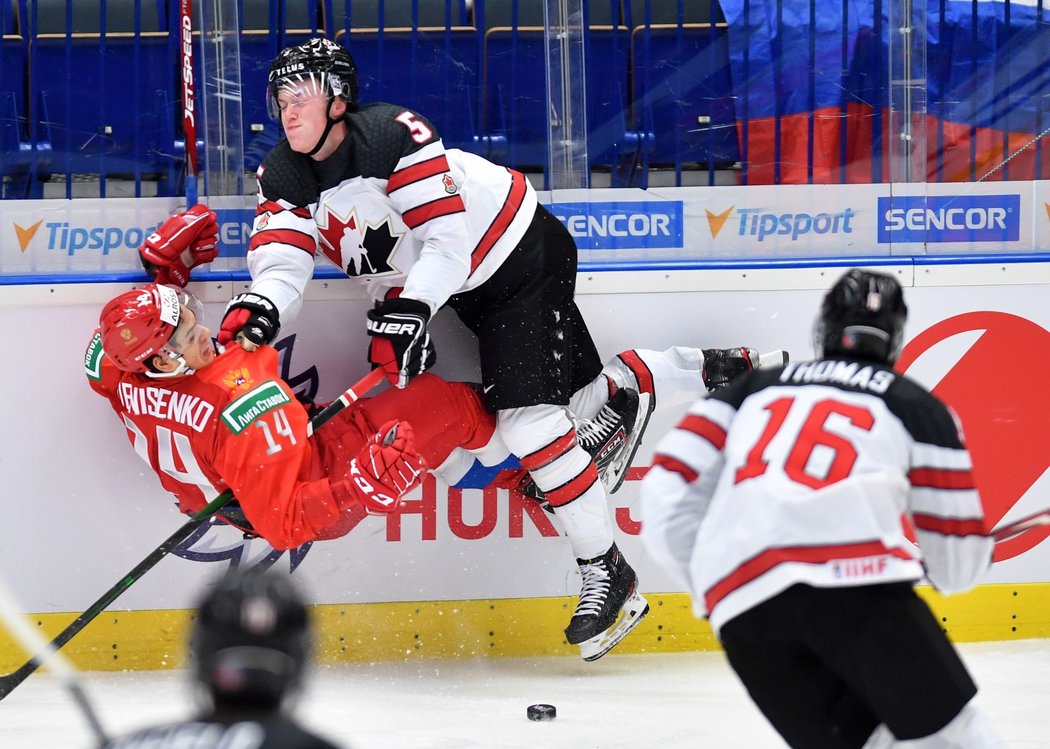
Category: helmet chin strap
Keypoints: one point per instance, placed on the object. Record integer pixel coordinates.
(327, 128)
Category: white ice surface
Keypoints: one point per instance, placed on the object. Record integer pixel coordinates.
(637, 701)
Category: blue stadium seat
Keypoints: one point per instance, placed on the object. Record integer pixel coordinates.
(659, 12)
(515, 99)
(683, 96)
(397, 14)
(119, 118)
(430, 70)
(51, 16)
(492, 13)
(267, 15)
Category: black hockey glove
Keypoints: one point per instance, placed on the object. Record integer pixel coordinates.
(251, 319)
(400, 344)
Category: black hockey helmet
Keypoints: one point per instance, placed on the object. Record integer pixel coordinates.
(250, 640)
(320, 60)
(862, 317)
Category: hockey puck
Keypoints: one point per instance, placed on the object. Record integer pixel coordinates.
(541, 712)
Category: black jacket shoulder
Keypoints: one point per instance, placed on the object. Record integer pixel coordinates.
(287, 175)
(382, 134)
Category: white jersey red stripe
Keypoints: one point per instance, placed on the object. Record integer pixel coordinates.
(781, 481)
(391, 207)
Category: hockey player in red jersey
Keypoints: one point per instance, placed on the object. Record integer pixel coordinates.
(208, 421)
(778, 501)
(423, 227)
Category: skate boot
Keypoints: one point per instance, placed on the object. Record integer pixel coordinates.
(609, 606)
(611, 438)
(723, 365)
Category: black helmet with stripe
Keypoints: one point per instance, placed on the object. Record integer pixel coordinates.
(862, 317)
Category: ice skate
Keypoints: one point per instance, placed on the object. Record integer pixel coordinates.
(609, 606)
(723, 365)
(611, 438)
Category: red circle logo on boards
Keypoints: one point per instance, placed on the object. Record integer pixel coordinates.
(1000, 389)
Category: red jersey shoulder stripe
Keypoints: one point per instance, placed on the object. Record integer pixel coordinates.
(941, 478)
(416, 172)
(706, 429)
(435, 208)
(284, 236)
(503, 219)
(674, 465)
(273, 208)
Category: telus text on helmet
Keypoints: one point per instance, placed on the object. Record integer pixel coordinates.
(294, 67)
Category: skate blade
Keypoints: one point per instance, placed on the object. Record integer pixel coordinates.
(772, 359)
(617, 471)
(634, 610)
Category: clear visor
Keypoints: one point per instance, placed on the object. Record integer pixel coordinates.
(190, 330)
(295, 91)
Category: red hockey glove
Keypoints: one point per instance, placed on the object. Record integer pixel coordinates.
(387, 468)
(181, 243)
(400, 344)
(251, 319)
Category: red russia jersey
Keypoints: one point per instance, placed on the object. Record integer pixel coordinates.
(234, 424)
(802, 476)
(391, 207)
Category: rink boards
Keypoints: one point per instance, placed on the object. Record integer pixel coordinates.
(480, 572)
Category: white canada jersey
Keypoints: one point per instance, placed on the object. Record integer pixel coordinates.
(806, 475)
(391, 207)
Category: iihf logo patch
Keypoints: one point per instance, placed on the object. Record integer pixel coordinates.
(450, 184)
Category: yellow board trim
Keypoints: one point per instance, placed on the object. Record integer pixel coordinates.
(517, 627)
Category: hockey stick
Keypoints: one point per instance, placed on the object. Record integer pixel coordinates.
(31, 640)
(1010, 530)
(189, 115)
(9, 681)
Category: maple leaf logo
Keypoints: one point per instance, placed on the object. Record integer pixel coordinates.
(337, 232)
(343, 244)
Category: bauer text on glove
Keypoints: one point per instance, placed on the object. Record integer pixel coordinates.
(181, 243)
(400, 344)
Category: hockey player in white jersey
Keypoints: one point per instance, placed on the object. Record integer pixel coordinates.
(423, 227)
(778, 501)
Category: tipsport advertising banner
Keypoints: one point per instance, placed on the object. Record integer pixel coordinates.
(87, 236)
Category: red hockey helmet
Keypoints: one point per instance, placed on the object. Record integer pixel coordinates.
(138, 324)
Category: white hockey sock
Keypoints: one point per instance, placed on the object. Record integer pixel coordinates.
(587, 523)
(588, 400)
(542, 432)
